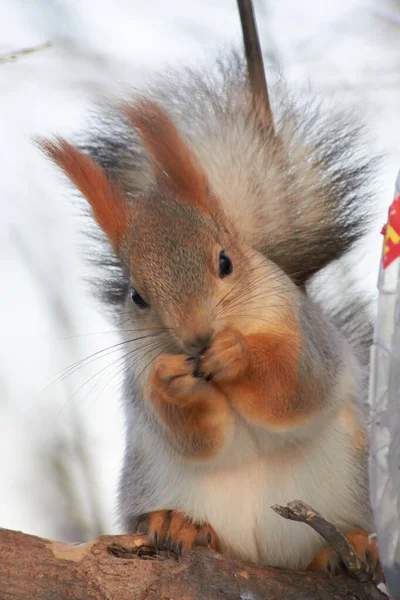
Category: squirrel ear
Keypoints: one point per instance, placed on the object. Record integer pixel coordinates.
(106, 198)
(175, 164)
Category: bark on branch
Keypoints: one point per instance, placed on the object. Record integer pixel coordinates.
(125, 568)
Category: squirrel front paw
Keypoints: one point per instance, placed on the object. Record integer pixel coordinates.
(173, 378)
(225, 359)
(196, 414)
(173, 531)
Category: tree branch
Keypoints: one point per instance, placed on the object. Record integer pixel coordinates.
(126, 568)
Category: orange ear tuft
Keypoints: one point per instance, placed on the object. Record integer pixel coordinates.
(175, 164)
(106, 198)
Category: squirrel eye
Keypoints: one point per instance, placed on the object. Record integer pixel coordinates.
(137, 298)
(225, 265)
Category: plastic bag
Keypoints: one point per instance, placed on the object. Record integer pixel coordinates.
(384, 400)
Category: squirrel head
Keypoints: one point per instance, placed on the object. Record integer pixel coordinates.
(190, 273)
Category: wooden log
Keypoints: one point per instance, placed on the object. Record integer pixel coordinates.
(125, 568)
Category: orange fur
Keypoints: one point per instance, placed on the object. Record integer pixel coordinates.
(106, 198)
(366, 548)
(154, 524)
(175, 164)
(181, 530)
(174, 530)
(348, 416)
(265, 392)
(195, 412)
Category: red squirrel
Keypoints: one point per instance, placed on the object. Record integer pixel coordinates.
(241, 391)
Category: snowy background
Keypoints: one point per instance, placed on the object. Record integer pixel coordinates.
(61, 430)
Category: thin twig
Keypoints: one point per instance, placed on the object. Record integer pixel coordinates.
(23, 51)
(301, 512)
(255, 64)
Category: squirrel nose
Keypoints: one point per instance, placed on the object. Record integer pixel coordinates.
(197, 343)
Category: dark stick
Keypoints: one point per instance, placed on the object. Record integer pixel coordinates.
(303, 513)
(255, 65)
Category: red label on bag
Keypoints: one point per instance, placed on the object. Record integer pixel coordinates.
(391, 231)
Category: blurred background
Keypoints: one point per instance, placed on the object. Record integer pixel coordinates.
(61, 428)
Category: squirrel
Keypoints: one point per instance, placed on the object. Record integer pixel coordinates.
(241, 390)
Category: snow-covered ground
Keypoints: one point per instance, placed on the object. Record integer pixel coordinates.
(61, 431)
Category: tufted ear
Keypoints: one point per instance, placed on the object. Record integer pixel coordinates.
(108, 202)
(175, 165)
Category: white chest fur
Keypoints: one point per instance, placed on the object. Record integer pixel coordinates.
(236, 500)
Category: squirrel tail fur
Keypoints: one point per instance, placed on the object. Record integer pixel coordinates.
(300, 194)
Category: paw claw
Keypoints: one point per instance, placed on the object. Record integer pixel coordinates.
(168, 545)
(142, 525)
(334, 567)
(191, 359)
(197, 374)
(341, 566)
